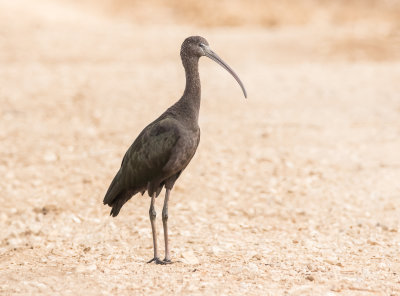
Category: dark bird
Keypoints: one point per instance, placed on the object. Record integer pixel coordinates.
(165, 147)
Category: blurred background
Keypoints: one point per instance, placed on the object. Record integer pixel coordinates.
(351, 30)
(359, 29)
(264, 13)
(294, 191)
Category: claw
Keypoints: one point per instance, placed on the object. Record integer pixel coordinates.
(167, 261)
(157, 261)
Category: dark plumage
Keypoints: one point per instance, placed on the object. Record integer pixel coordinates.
(155, 159)
(165, 147)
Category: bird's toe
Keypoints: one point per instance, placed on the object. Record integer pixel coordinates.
(156, 260)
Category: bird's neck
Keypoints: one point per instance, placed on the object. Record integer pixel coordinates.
(190, 100)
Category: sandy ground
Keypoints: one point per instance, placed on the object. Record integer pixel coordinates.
(294, 191)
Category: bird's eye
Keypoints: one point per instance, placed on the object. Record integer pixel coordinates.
(201, 45)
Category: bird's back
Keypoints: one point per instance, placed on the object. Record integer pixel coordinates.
(160, 152)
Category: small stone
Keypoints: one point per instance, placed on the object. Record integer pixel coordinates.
(9, 175)
(91, 267)
(3, 217)
(15, 242)
(331, 260)
(371, 242)
(257, 257)
(384, 227)
(336, 288)
(190, 258)
(46, 209)
(86, 268)
(252, 267)
(310, 278)
(76, 219)
(92, 131)
(80, 268)
(37, 182)
(216, 250)
(49, 157)
(35, 227)
(39, 285)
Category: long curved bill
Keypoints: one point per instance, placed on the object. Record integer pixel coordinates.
(212, 55)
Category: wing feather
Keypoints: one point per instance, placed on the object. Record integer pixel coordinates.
(145, 158)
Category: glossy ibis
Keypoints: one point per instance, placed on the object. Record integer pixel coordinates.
(165, 147)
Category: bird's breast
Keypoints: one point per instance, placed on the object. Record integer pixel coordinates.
(184, 150)
(189, 142)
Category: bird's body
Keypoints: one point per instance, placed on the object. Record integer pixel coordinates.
(155, 159)
(165, 147)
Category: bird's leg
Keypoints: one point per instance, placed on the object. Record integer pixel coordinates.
(153, 214)
(167, 258)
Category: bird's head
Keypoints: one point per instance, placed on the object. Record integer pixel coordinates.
(193, 46)
(197, 46)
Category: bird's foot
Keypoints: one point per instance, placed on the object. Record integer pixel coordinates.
(167, 261)
(157, 260)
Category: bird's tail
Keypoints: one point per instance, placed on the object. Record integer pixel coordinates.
(119, 202)
(113, 191)
(116, 196)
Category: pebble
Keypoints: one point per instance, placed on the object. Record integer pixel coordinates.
(49, 157)
(331, 260)
(310, 278)
(252, 267)
(76, 219)
(86, 268)
(217, 250)
(190, 258)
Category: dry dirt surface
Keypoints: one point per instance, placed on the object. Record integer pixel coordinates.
(294, 191)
